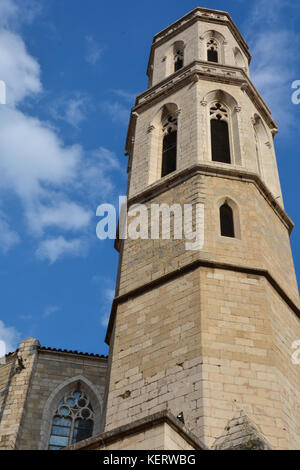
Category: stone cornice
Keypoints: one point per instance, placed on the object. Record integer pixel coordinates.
(191, 267)
(197, 70)
(206, 15)
(141, 425)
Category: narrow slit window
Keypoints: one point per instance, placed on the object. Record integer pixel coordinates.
(226, 221)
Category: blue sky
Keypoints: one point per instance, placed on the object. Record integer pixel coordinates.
(72, 70)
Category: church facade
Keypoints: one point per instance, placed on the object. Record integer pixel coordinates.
(200, 340)
(49, 398)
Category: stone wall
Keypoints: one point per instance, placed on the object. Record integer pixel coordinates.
(19, 383)
(263, 241)
(204, 344)
(203, 339)
(33, 391)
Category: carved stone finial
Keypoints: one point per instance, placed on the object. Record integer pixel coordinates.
(195, 78)
(274, 131)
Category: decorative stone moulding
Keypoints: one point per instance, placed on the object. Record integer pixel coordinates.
(221, 73)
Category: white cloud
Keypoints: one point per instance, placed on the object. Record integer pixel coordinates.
(273, 68)
(10, 336)
(19, 70)
(96, 173)
(273, 7)
(109, 294)
(117, 111)
(15, 12)
(94, 51)
(126, 95)
(104, 320)
(26, 317)
(8, 237)
(52, 249)
(43, 171)
(50, 310)
(8, 11)
(71, 109)
(65, 215)
(32, 155)
(35, 164)
(75, 111)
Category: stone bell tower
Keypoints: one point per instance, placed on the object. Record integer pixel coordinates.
(206, 335)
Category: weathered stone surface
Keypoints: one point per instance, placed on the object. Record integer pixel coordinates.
(210, 331)
(30, 393)
(241, 434)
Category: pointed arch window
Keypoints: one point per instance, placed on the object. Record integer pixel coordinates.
(227, 221)
(169, 148)
(73, 420)
(219, 130)
(178, 56)
(212, 50)
(238, 58)
(262, 143)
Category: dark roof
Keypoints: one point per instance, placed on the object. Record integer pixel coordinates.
(11, 353)
(43, 348)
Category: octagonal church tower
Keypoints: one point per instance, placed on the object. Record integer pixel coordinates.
(203, 337)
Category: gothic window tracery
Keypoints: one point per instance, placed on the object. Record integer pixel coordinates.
(212, 50)
(220, 144)
(73, 420)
